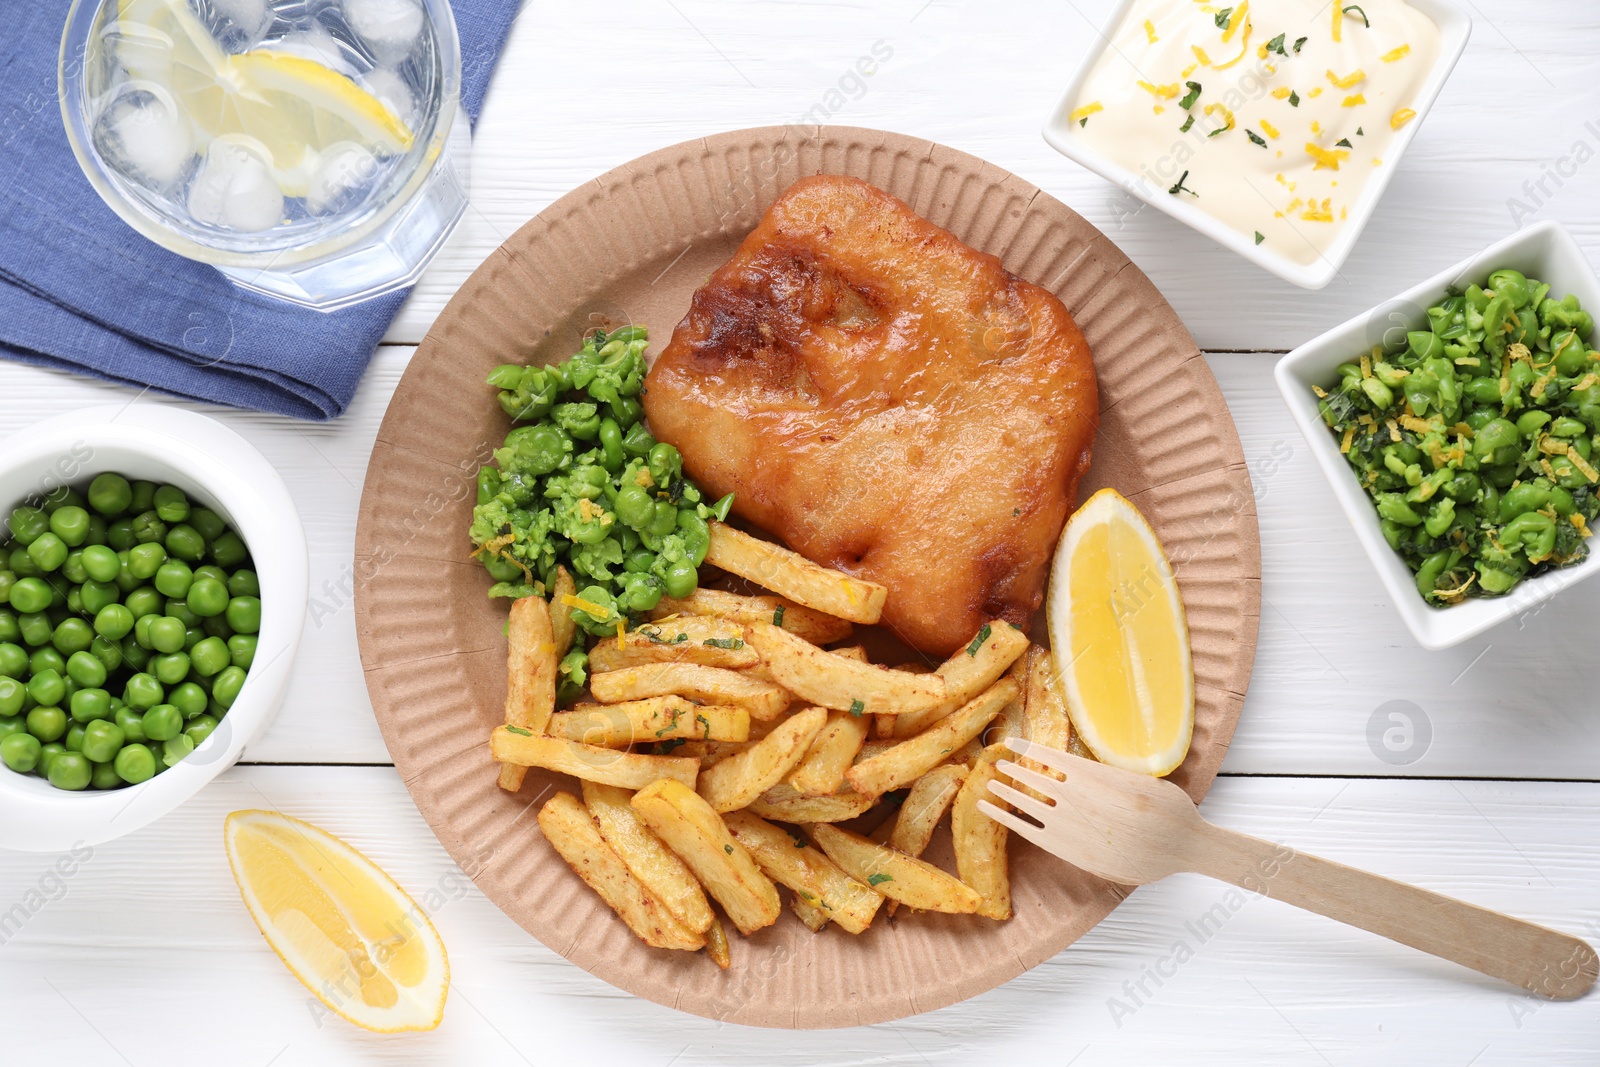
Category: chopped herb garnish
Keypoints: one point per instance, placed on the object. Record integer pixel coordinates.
(1180, 188)
(977, 642)
(652, 635)
(1219, 130)
(1294, 98)
(671, 725)
(730, 643)
(874, 879)
(1260, 237)
(1357, 9)
(705, 725)
(804, 895)
(777, 616)
(1083, 121)
(728, 849)
(1276, 45)
(1256, 137)
(1344, 142)
(1298, 43)
(663, 747)
(799, 841)
(680, 639)
(519, 730)
(1194, 94)
(1360, 132)
(856, 708)
(1188, 124)
(1223, 17)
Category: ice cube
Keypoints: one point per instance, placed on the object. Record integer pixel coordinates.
(143, 137)
(239, 25)
(235, 189)
(391, 90)
(344, 170)
(389, 28)
(318, 45)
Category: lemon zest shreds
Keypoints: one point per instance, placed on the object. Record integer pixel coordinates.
(1325, 157)
(1272, 131)
(1398, 53)
(1085, 111)
(1349, 435)
(1354, 101)
(1163, 92)
(1354, 77)
(1212, 109)
(1150, 31)
(1401, 117)
(589, 607)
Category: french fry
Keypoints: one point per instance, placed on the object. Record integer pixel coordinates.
(709, 685)
(813, 626)
(814, 917)
(815, 878)
(561, 624)
(785, 803)
(855, 652)
(884, 725)
(689, 639)
(791, 575)
(892, 873)
(709, 753)
(689, 826)
(977, 666)
(650, 719)
(821, 770)
(656, 866)
(1045, 720)
(914, 757)
(836, 682)
(570, 830)
(736, 781)
(531, 666)
(922, 809)
(980, 842)
(1012, 720)
(717, 945)
(589, 762)
(1044, 717)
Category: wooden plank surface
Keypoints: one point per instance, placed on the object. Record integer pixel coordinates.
(143, 954)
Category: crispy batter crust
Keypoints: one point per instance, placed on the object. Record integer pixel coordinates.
(888, 401)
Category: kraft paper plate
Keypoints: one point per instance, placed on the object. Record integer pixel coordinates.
(631, 246)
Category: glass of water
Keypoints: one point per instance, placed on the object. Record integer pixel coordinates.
(312, 150)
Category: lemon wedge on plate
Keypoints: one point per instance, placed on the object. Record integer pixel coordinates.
(346, 930)
(1120, 638)
(295, 108)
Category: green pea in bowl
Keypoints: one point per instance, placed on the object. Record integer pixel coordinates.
(139, 652)
(1460, 554)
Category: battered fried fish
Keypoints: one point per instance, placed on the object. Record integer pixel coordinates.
(887, 401)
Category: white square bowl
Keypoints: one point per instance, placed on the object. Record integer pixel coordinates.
(1544, 251)
(1455, 26)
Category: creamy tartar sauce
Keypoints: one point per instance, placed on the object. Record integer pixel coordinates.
(1269, 115)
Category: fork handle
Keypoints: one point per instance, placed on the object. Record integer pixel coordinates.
(1538, 959)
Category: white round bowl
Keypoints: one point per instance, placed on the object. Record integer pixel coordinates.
(220, 469)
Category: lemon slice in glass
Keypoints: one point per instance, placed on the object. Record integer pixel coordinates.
(296, 108)
(342, 926)
(1120, 637)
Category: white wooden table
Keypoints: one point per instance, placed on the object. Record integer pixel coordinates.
(144, 954)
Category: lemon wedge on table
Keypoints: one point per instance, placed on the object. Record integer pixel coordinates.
(1121, 640)
(295, 108)
(340, 924)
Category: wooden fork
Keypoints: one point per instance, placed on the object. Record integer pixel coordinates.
(1133, 829)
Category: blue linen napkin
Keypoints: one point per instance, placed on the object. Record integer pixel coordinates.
(81, 290)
